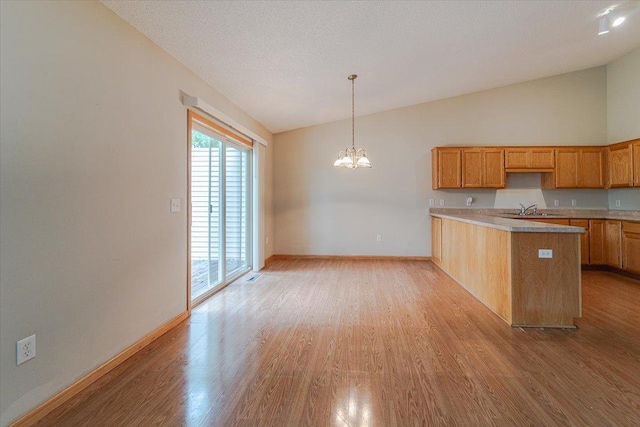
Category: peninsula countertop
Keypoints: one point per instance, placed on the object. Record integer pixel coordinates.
(620, 215)
(512, 225)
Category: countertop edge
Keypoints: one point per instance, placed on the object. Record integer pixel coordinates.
(507, 224)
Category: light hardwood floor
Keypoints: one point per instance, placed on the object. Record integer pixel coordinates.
(370, 342)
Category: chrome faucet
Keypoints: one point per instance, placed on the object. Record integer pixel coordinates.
(523, 209)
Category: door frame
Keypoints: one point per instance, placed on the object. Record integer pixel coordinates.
(242, 143)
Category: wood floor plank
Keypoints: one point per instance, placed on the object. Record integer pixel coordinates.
(374, 342)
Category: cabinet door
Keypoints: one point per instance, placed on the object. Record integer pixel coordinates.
(566, 174)
(436, 240)
(596, 242)
(591, 168)
(636, 163)
(448, 168)
(619, 167)
(516, 158)
(494, 175)
(584, 239)
(541, 158)
(631, 246)
(472, 167)
(613, 242)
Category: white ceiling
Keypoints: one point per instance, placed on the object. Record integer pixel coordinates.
(286, 62)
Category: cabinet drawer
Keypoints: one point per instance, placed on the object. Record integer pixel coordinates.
(631, 227)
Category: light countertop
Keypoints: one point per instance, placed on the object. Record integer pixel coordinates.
(619, 215)
(508, 224)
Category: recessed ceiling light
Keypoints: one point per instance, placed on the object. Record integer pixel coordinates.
(619, 20)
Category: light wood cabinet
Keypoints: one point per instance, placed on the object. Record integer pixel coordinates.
(446, 168)
(631, 246)
(566, 173)
(436, 240)
(613, 243)
(576, 167)
(529, 159)
(596, 242)
(617, 165)
(620, 165)
(483, 168)
(584, 239)
(636, 162)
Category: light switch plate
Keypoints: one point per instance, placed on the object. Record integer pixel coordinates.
(175, 205)
(545, 253)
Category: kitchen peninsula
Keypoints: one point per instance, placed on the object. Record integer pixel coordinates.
(526, 273)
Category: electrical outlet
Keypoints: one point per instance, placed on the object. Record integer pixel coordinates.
(617, 203)
(379, 238)
(556, 202)
(175, 205)
(441, 202)
(545, 253)
(574, 202)
(432, 202)
(26, 349)
(267, 240)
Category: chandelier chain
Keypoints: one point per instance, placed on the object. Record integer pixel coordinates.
(353, 114)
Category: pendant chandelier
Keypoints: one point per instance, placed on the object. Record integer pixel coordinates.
(351, 157)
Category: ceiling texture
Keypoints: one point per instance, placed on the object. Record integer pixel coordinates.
(286, 62)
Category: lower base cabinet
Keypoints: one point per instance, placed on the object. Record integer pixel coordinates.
(606, 242)
(613, 243)
(584, 239)
(596, 242)
(436, 239)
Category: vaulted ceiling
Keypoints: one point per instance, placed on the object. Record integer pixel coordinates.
(286, 62)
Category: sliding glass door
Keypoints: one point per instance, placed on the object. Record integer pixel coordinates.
(220, 210)
(236, 161)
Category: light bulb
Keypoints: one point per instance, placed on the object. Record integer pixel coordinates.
(619, 20)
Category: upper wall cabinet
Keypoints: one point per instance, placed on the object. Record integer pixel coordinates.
(576, 167)
(620, 165)
(636, 162)
(483, 168)
(617, 165)
(446, 168)
(529, 159)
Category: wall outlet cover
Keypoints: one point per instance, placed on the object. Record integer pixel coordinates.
(25, 349)
(545, 253)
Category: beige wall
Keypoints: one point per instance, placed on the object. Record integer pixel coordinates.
(92, 149)
(623, 98)
(623, 115)
(322, 210)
